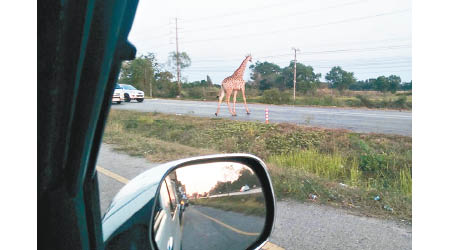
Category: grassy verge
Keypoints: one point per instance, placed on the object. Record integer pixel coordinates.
(252, 204)
(325, 97)
(366, 173)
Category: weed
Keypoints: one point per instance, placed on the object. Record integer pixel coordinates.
(301, 160)
(251, 204)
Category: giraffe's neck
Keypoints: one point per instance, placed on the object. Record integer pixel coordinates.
(240, 71)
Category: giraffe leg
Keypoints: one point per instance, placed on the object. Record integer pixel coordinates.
(228, 102)
(221, 95)
(234, 102)
(245, 101)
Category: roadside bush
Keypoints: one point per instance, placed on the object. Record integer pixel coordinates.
(195, 92)
(401, 102)
(404, 93)
(274, 96)
(329, 101)
(169, 90)
(365, 101)
(353, 102)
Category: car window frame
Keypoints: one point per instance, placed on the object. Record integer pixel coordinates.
(172, 197)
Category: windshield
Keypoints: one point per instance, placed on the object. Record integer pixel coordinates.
(128, 87)
(117, 86)
(312, 88)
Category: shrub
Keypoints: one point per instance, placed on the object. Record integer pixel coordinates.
(401, 102)
(353, 102)
(365, 101)
(195, 92)
(274, 96)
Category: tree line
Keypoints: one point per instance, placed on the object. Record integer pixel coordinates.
(155, 79)
(266, 75)
(159, 80)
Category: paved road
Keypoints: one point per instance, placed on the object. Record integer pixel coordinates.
(117, 163)
(358, 120)
(311, 226)
(251, 191)
(229, 230)
(297, 225)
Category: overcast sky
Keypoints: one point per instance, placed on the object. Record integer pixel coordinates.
(367, 37)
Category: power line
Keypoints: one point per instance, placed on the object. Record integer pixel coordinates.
(378, 72)
(325, 52)
(396, 64)
(357, 66)
(163, 45)
(342, 51)
(237, 12)
(351, 65)
(365, 67)
(228, 71)
(237, 57)
(357, 50)
(303, 27)
(276, 17)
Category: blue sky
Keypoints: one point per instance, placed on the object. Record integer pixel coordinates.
(367, 37)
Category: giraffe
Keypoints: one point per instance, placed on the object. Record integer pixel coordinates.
(233, 84)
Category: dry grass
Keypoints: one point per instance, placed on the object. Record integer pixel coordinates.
(252, 204)
(154, 150)
(302, 160)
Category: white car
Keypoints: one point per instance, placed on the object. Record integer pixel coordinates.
(245, 188)
(167, 221)
(118, 95)
(131, 93)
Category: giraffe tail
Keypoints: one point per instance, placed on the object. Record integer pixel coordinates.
(221, 92)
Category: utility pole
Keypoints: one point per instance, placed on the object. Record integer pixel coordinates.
(178, 57)
(145, 81)
(295, 69)
(145, 75)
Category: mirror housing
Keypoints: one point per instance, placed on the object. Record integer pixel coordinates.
(129, 219)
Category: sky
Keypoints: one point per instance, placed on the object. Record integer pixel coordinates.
(367, 37)
(201, 178)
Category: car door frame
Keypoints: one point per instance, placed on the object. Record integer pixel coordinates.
(81, 45)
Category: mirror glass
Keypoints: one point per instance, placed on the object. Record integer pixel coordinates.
(209, 206)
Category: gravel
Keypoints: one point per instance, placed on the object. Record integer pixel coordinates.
(312, 226)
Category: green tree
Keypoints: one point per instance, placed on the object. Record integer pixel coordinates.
(406, 86)
(306, 80)
(140, 72)
(269, 75)
(368, 84)
(182, 59)
(339, 78)
(245, 178)
(164, 86)
(394, 83)
(382, 84)
(185, 60)
(208, 80)
(264, 74)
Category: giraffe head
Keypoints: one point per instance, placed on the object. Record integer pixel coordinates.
(249, 56)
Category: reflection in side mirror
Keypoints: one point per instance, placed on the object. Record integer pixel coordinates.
(219, 205)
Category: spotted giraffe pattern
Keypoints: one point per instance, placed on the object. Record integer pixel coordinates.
(234, 83)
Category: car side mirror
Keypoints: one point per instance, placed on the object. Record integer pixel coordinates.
(230, 205)
(211, 202)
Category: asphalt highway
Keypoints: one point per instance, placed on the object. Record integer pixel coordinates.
(251, 191)
(210, 228)
(297, 225)
(358, 120)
